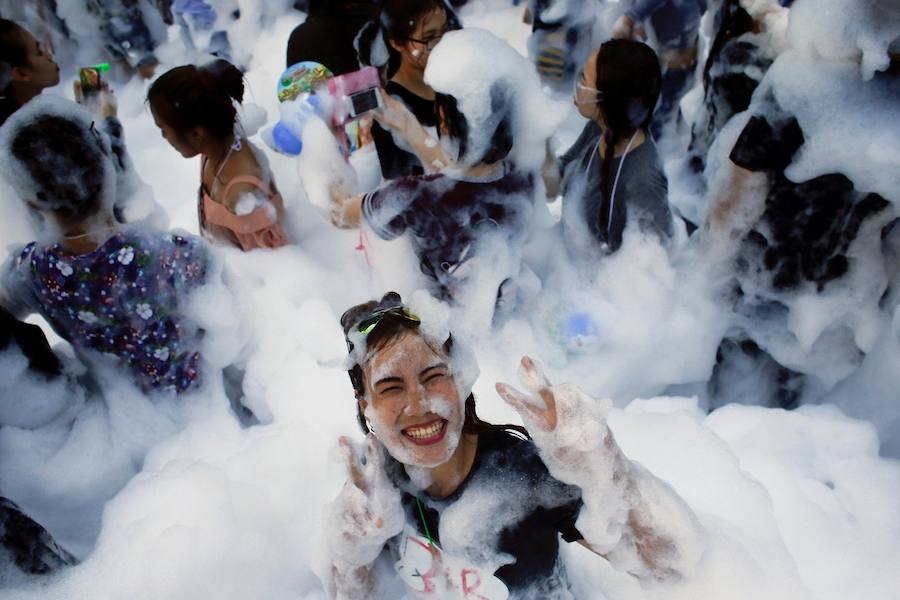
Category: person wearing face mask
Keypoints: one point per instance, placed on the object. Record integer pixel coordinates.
(410, 30)
(612, 175)
(431, 465)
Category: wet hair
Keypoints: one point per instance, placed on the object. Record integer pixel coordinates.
(391, 327)
(67, 162)
(501, 143)
(398, 21)
(189, 96)
(13, 53)
(629, 79)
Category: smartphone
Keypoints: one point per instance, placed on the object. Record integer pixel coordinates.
(355, 94)
(362, 102)
(91, 80)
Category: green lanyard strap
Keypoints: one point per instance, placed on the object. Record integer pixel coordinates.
(425, 524)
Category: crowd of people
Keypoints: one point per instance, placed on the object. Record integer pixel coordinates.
(458, 181)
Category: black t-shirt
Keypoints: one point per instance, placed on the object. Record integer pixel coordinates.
(446, 217)
(499, 530)
(396, 162)
(327, 38)
(807, 226)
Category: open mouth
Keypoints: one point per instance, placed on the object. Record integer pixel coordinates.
(426, 433)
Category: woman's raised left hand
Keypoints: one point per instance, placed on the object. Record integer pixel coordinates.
(568, 426)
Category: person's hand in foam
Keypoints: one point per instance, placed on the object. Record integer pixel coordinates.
(629, 516)
(366, 514)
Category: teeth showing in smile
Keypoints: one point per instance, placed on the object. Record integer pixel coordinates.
(423, 432)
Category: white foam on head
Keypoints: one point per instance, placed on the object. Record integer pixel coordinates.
(859, 31)
(459, 66)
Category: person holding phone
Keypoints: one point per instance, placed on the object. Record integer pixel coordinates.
(444, 504)
(410, 29)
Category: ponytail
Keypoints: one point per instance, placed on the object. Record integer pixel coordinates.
(188, 96)
(629, 79)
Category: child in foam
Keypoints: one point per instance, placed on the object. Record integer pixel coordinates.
(465, 508)
(239, 204)
(612, 176)
(113, 291)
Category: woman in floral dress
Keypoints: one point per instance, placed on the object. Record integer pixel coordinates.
(116, 293)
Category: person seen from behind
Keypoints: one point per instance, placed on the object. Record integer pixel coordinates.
(676, 24)
(117, 293)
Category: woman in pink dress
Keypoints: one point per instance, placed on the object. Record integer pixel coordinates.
(195, 108)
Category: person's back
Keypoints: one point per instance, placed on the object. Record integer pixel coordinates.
(104, 287)
(641, 194)
(127, 298)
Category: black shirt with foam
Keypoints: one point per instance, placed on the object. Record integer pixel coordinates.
(446, 217)
(808, 226)
(396, 162)
(518, 510)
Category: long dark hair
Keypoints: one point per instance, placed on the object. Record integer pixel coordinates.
(13, 53)
(189, 96)
(391, 326)
(628, 79)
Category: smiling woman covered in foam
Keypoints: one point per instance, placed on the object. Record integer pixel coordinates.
(464, 508)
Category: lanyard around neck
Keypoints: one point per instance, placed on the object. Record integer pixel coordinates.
(612, 195)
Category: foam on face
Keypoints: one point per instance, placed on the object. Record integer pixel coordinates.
(457, 67)
(785, 497)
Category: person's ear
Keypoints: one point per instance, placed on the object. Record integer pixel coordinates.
(397, 45)
(21, 74)
(361, 402)
(196, 135)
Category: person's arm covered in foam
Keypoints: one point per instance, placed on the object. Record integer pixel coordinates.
(629, 516)
(365, 515)
(396, 117)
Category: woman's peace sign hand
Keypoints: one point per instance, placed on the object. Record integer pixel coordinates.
(367, 512)
(568, 426)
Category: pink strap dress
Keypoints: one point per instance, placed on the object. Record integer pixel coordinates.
(257, 229)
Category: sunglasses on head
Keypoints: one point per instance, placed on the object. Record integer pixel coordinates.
(366, 326)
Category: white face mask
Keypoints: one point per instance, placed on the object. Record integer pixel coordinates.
(450, 146)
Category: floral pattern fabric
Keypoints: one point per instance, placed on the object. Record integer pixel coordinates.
(126, 299)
